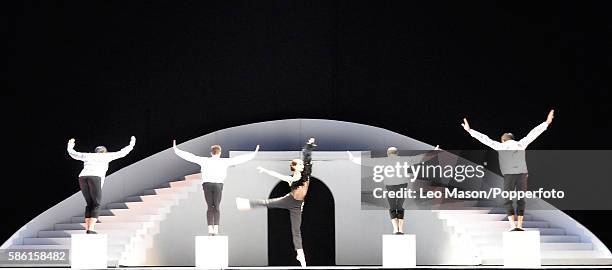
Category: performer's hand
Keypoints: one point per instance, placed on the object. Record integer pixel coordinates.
(71, 141)
(173, 143)
(351, 157)
(311, 141)
(132, 140)
(437, 148)
(260, 169)
(465, 125)
(257, 148)
(550, 117)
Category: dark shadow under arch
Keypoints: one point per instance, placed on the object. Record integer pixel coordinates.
(318, 228)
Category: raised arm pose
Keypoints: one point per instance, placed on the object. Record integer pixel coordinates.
(396, 205)
(512, 164)
(294, 200)
(214, 172)
(91, 178)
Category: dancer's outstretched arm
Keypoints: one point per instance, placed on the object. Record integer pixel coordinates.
(243, 158)
(356, 160)
(368, 162)
(307, 157)
(534, 133)
(283, 177)
(186, 155)
(123, 152)
(74, 154)
(412, 159)
(423, 157)
(481, 137)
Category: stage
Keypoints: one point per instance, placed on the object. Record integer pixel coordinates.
(360, 267)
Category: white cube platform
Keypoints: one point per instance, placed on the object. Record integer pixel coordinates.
(88, 251)
(211, 252)
(522, 249)
(399, 251)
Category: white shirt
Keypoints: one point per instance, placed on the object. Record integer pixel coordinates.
(96, 164)
(511, 152)
(214, 169)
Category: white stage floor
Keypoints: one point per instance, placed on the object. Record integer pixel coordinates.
(357, 267)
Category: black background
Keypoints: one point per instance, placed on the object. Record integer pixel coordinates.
(104, 70)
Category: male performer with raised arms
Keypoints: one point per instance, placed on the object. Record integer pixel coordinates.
(396, 205)
(214, 172)
(92, 177)
(512, 164)
(299, 181)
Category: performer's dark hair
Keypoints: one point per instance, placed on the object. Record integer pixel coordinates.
(292, 166)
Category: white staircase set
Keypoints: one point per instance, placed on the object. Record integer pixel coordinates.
(481, 228)
(130, 225)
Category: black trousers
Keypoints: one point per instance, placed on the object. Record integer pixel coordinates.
(295, 213)
(396, 205)
(212, 195)
(91, 187)
(515, 182)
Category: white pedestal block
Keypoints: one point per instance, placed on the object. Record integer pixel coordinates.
(521, 249)
(211, 252)
(399, 251)
(88, 251)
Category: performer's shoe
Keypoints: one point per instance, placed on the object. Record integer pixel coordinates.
(300, 257)
(519, 229)
(91, 232)
(87, 231)
(243, 204)
(399, 233)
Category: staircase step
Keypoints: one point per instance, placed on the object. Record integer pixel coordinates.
(159, 191)
(68, 233)
(504, 224)
(498, 230)
(479, 217)
(134, 205)
(111, 248)
(497, 238)
(152, 197)
(566, 246)
(457, 204)
(578, 261)
(463, 211)
(492, 251)
(67, 240)
(123, 218)
(560, 238)
(168, 190)
(581, 260)
(39, 247)
(112, 225)
(114, 212)
(137, 211)
(181, 183)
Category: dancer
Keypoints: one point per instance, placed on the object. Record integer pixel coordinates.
(214, 172)
(396, 205)
(512, 164)
(299, 181)
(91, 178)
